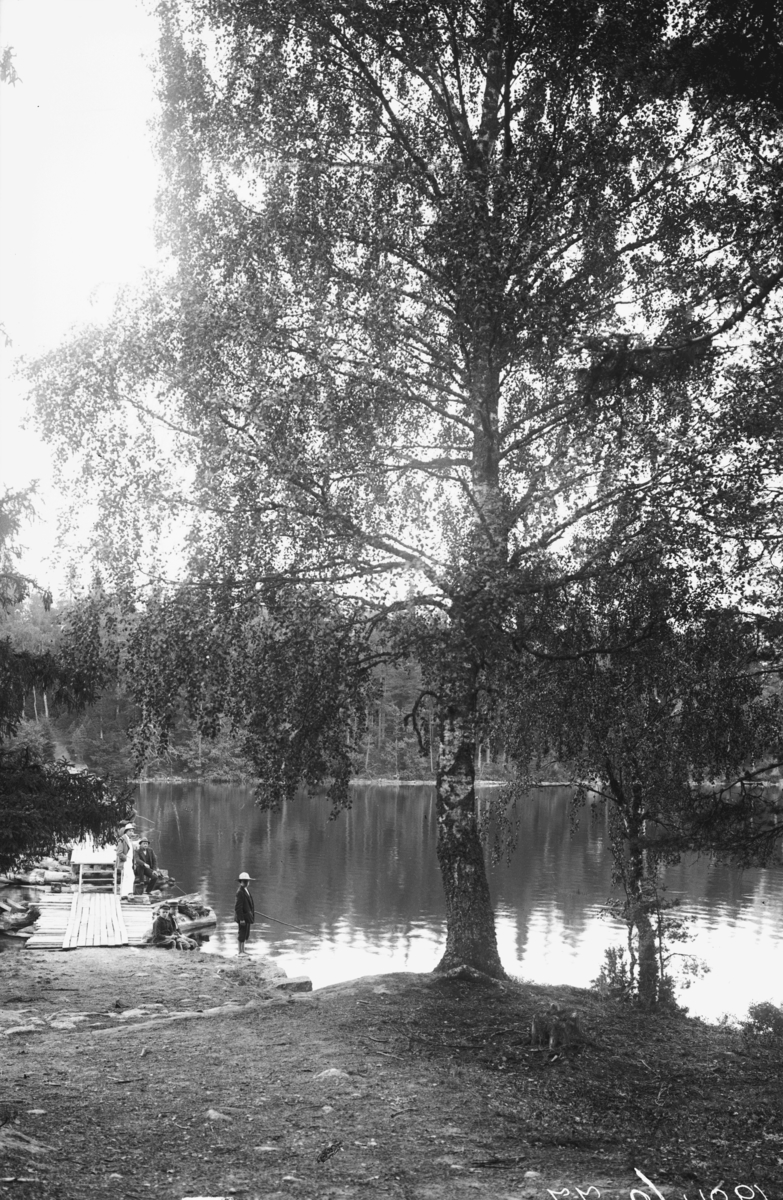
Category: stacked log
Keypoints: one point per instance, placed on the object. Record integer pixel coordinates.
(14, 917)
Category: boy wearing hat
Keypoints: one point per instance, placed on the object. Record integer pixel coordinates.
(164, 928)
(244, 910)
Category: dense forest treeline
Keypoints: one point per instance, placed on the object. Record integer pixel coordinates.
(101, 737)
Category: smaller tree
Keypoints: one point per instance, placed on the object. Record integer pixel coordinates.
(43, 806)
(663, 706)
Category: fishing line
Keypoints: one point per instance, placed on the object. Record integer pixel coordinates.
(288, 923)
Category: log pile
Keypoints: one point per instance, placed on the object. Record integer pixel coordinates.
(15, 917)
(49, 872)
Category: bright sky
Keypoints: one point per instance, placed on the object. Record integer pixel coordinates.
(77, 184)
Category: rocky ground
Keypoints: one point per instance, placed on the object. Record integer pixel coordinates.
(138, 1073)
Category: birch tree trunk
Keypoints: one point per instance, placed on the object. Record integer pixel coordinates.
(638, 900)
(471, 939)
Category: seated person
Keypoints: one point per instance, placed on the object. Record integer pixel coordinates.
(165, 928)
(165, 931)
(144, 867)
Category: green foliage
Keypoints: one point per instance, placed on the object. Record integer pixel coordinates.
(43, 804)
(388, 348)
(15, 507)
(615, 979)
(31, 662)
(282, 674)
(620, 977)
(8, 72)
(35, 737)
(765, 1020)
(730, 52)
(199, 742)
(218, 758)
(462, 305)
(667, 707)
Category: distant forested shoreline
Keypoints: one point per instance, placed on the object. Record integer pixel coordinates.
(102, 736)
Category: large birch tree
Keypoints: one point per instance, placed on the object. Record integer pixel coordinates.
(453, 295)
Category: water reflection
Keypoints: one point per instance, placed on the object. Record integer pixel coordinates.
(366, 894)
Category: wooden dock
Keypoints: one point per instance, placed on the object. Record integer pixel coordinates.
(72, 920)
(95, 919)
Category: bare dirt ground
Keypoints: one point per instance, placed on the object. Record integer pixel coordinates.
(117, 1081)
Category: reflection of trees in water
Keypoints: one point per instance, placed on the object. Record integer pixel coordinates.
(373, 869)
(375, 862)
(711, 884)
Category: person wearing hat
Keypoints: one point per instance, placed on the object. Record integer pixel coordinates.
(166, 932)
(165, 928)
(244, 910)
(126, 847)
(144, 867)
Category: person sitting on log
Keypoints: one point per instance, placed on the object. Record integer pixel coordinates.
(165, 931)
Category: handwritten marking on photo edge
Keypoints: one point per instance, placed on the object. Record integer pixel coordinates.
(743, 1191)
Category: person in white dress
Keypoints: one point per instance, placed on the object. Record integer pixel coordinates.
(126, 847)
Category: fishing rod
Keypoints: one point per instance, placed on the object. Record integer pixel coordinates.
(288, 923)
(279, 921)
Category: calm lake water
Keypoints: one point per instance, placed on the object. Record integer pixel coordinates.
(365, 890)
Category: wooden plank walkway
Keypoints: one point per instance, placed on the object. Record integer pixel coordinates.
(72, 920)
(95, 919)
